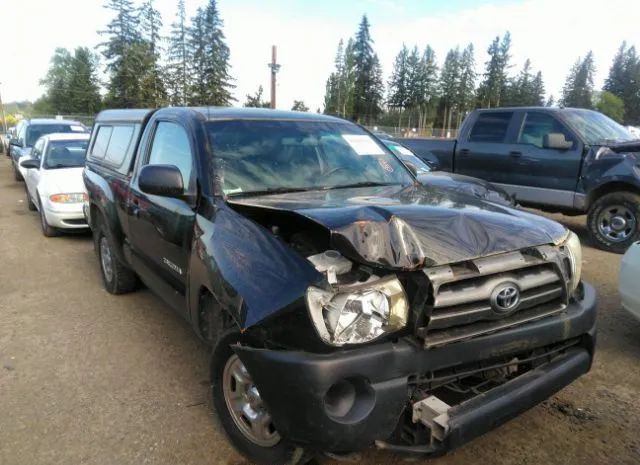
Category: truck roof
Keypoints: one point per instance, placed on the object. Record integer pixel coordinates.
(216, 113)
(532, 108)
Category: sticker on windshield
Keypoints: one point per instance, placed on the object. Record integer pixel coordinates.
(234, 190)
(363, 144)
(403, 150)
(385, 165)
(77, 128)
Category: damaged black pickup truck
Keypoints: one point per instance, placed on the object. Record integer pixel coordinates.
(346, 304)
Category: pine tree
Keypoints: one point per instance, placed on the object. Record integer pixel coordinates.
(495, 83)
(84, 88)
(178, 58)
(255, 101)
(465, 98)
(551, 101)
(450, 85)
(152, 87)
(122, 52)
(56, 82)
(298, 105)
(399, 84)
(538, 91)
(578, 88)
(368, 86)
(427, 85)
(624, 82)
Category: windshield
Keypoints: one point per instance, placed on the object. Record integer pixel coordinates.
(596, 128)
(279, 156)
(65, 154)
(36, 131)
(407, 156)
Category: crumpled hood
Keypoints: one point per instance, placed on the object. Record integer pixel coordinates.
(466, 184)
(408, 228)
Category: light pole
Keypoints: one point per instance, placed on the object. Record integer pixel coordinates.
(275, 67)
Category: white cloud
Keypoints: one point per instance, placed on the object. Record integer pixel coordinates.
(552, 33)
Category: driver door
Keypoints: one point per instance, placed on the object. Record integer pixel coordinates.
(32, 177)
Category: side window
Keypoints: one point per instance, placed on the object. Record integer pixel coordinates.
(37, 150)
(171, 146)
(491, 126)
(118, 144)
(22, 135)
(537, 125)
(101, 141)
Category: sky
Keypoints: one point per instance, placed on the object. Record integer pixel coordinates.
(552, 33)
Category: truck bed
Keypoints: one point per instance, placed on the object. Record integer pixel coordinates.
(432, 150)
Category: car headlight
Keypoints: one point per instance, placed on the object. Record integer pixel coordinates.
(68, 198)
(574, 249)
(359, 314)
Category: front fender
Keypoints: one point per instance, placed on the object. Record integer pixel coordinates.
(604, 166)
(251, 273)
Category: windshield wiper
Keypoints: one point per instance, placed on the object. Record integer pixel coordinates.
(363, 184)
(270, 190)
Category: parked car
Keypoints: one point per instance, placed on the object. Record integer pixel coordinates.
(444, 180)
(29, 131)
(346, 304)
(53, 181)
(565, 160)
(628, 283)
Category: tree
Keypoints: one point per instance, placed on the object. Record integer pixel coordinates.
(152, 87)
(368, 86)
(551, 101)
(255, 101)
(465, 98)
(578, 88)
(450, 85)
(526, 89)
(495, 82)
(122, 52)
(624, 82)
(611, 105)
(210, 59)
(84, 87)
(298, 105)
(56, 83)
(178, 58)
(399, 84)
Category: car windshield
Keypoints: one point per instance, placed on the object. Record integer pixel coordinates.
(36, 131)
(278, 156)
(65, 154)
(407, 156)
(596, 128)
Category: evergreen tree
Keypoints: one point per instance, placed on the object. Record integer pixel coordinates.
(578, 88)
(255, 101)
(537, 91)
(83, 84)
(368, 85)
(624, 82)
(152, 87)
(333, 95)
(122, 52)
(495, 83)
(56, 82)
(210, 59)
(465, 98)
(298, 105)
(449, 85)
(400, 83)
(178, 58)
(427, 85)
(551, 101)
(527, 89)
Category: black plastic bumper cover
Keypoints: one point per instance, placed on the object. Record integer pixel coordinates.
(294, 384)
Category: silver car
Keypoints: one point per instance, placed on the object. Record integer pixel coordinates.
(629, 273)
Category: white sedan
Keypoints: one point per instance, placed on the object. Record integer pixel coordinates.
(629, 279)
(53, 179)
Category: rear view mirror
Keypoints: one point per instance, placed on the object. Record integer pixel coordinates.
(30, 163)
(164, 180)
(557, 141)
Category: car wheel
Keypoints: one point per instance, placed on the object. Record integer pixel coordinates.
(614, 221)
(47, 230)
(30, 204)
(242, 413)
(117, 278)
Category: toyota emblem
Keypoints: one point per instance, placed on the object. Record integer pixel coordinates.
(505, 298)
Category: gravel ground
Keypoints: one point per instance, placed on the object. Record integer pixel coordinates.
(87, 377)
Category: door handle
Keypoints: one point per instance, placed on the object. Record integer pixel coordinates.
(515, 154)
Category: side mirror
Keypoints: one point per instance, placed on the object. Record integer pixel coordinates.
(411, 167)
(30, 164)
(17, 143)
(163, 180)
(556, 140)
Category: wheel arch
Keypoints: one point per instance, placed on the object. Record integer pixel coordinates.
(608, 188)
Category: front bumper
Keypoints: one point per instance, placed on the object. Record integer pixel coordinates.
(294, 385)
(65, 216)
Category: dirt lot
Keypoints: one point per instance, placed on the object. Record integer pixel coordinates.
(87, 377)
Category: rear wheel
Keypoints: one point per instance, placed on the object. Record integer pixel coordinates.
(117, 278)
(242, 412)
(614, 221)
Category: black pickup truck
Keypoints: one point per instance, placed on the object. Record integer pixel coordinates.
(345, 303)
(567, 160)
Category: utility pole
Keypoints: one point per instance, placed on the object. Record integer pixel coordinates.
(4, 120)
(275, 67)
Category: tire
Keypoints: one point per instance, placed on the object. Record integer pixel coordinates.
(274, 450)
(116, 277)
(30, 204)
(47, 230)
(614, 221)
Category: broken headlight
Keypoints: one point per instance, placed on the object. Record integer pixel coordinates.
(358, 314)
(572, 243)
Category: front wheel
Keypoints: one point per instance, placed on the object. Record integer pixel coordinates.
(242, 413)
(47, 230)
(614, 221)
